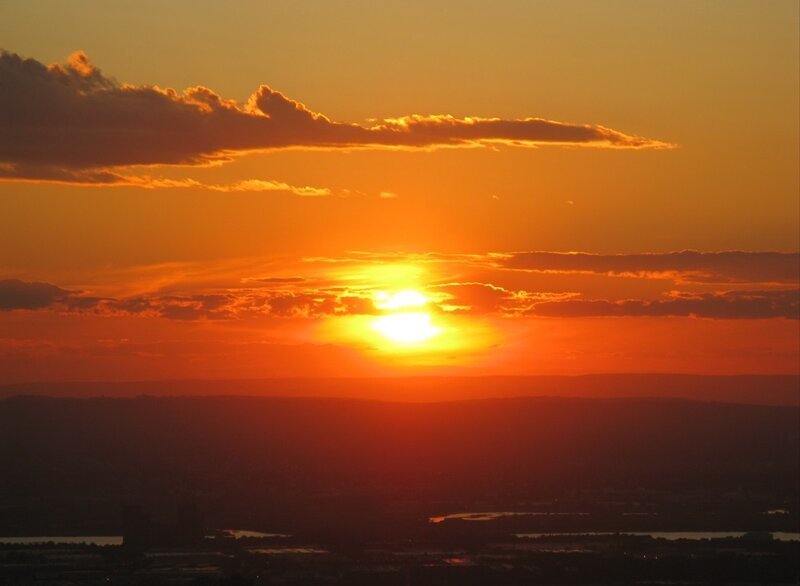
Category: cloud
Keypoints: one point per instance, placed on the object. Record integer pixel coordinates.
(177, 307)
(477, 298)
(686, 266)
(301, 303)
(16, 294)
(71, 123)
(106, 178)
(262, 185)
(238, 186)
(223, 305)
(274, 280)
(725, 305)
(21, 295)
(474, 298)
(487, 298)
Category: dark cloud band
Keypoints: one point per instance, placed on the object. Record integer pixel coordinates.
(16, 294)
(727, 305)
(71, 123)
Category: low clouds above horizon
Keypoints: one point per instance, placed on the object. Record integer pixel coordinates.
(70, 123)
(474, 298)
(771, 279)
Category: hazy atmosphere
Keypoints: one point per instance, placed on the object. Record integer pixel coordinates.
(399, 293)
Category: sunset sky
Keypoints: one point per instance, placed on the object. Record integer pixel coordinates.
(250, 189)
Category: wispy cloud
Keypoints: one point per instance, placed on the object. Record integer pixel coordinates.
(680, 267)
(687, 266)
(105, 178)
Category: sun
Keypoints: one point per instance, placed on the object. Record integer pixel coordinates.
(407, 324)
(406, 328)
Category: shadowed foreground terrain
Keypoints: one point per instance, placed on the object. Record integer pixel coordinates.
(349, 476)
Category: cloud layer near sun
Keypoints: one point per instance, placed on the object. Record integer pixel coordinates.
(71, 123)
(716, 285)
(687, 265)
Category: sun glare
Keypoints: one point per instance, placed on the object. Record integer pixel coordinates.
(401, 299)
(406, 324)
(406, 328)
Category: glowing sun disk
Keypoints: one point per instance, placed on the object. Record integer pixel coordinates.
(406, 328)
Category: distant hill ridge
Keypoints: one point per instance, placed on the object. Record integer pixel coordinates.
(744, 389)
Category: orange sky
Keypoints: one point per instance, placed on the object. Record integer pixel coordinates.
(569, 187)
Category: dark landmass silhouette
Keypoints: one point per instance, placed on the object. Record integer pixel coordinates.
(375, 468)
(352, 491)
